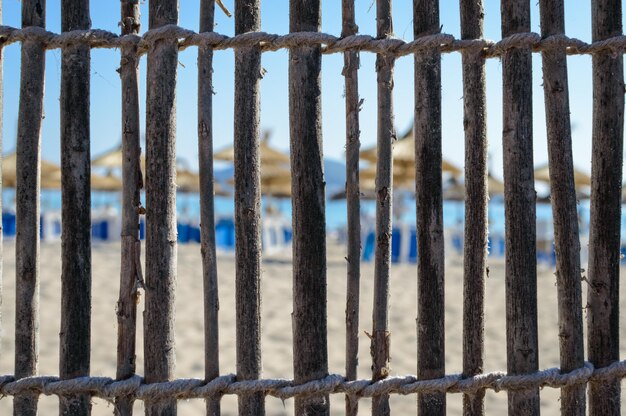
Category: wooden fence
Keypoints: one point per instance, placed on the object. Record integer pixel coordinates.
(312, 384)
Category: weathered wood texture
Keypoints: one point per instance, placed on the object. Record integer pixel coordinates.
(429, 207)
(161, 234)
(519, 203)
(476, 203)
(130, 270)
(207, 206)
(381, 336)
(27, 205)
(564, 212)
(350, 72)
(604, 232)
(310, 350)
(248, 206)
(75, 335)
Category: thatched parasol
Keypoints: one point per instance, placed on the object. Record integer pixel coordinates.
(404, 156)
(113, 158)
(403, 177)
(456, 191)
(269, 155)
(275, 172)
(275, 181)
(188, 181)
(105, 183)
(9, 171)
(581, 179)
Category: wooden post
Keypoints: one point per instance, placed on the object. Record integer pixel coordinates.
(604, 230)
(207, 210)
(429, 208)
(381, 337)
(27, 205)
(130, 276)
(248, 206)
(161, 234)
(476, 203)
(350, 72)
(310, 350)
(564, 212)
(519, 202)
(75, 335)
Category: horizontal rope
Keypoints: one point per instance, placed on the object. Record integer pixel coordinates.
(182, 389)
(96, 38)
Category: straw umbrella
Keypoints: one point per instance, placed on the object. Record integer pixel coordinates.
(404, 157)
(403, 177)
(275, 181)
(9, 171)
(269, 155)
(403, 173)
(104, 183)
(188, 181)
(113, 158)
(456, 192)
(275, 172)
(108, 182)
(581, 179)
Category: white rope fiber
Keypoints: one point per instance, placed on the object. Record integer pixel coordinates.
(181, 389)
(445, 43)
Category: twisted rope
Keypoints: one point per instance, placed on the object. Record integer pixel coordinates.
(96, 38)
(182, 389)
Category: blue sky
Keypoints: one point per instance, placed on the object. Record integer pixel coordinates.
(105, 94)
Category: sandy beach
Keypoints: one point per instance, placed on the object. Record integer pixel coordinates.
(276, 321)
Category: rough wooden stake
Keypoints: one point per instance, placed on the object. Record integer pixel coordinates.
(564, 213)
(27, 205)
(519, 202)
(207, 209)
(248, 206)
(429, 209)
(476, 203)
(161, 238)
(604, 230)
(381, 337)
(131, 203)
(75, 335)
(310, 350)
(350, 72)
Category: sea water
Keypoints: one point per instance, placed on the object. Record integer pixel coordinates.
(188, 208)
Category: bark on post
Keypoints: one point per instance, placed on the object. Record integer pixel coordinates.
(248, 206)
(161, 237)
(75, 335)
(310, 351)
(565, 216)
(380, 338)
(519, 202)
(207, 209)
(130, 276)
(350, 72)
(476, 203)
(429, 208)
(27, 205)
(606, 182)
